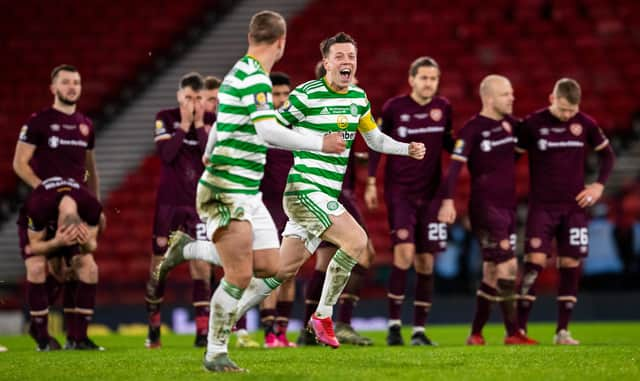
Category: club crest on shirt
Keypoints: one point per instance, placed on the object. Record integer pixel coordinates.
(342, 122)
(576, 129)
(535, 242)
(353, 109)
(84, 129)
(402, 234)
(506, 125)
(260, 100)
(435, 114)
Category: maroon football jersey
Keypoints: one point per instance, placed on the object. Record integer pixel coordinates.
(181, 156)
(276, 170)
(61, 142)
(557, 153)
(488, 147)
(41, 207)
(405, 120)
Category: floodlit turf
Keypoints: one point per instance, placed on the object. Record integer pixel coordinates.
(609, 351)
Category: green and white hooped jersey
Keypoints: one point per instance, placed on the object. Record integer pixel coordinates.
(314, 109)
(237, 162)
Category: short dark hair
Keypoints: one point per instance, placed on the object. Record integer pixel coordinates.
(211, 82)
(63, 67)
(193, 80)
(320, 71)
(423, 61)
(266, 27)
(340, 38)
(568, 89)
(279, 78)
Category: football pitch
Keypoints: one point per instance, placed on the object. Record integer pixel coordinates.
(609, 351)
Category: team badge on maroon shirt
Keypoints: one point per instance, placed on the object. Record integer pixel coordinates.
(535, 242)
(84, 129)
(576, 129)
(506, 125)
(435, 114)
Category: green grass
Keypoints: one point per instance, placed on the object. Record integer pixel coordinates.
(609, 351)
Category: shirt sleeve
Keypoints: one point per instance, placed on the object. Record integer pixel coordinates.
(294, 110)
(596, 137)
(448, 140)
(523, 136)
(257, 97)
(161, 130)
(386, 126)
(31, 132)
(464, 144)
(91, 143)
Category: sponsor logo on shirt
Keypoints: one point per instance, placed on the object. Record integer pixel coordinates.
(420, 116)
(403, 131)
(324, 111)
(543, 144)
(486, 134)
(260, 100)
(55, 182)
(487, 145)
(55, 142)
(68, 127)
(576, 129)
(348, 135)
(558, 130)
(544, 131)
(435, 114)
(342, 122)
(190, 142)
(405, 117)
(55, 127)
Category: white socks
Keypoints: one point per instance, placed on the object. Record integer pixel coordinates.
(335, 280)
(224, 307)
(202, 250)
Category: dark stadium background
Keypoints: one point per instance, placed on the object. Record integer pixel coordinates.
(123, 48)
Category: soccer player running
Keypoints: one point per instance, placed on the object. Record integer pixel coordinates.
(58, 142)
(487, 143)
(311, 197)
(228, 195)
(556, 139)
(180, 135)
(410, 189)
(345, 333)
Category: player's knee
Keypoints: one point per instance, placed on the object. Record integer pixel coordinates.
(36, 269)
(200, 270)
(86, 268)
(403, 255)
(424, 264)
(159, 245)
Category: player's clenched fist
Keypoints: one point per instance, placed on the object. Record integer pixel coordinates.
(417, 150)
(333, 143)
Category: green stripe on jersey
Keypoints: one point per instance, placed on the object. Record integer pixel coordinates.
(238, 158)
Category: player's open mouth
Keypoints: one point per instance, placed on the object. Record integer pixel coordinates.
(345, 74)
